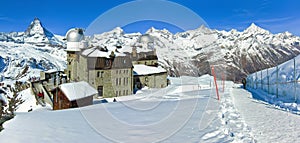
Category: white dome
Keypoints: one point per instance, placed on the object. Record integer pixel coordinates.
(75, 35)
(146, 38)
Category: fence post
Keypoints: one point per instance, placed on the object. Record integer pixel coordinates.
(277, 81)
(255, 80)
(268, 82)
(261, 81)
(295, 81)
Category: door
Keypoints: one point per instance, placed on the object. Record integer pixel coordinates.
(100, 91)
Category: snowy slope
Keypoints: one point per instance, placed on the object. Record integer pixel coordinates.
(186, 111)
(25, 60)
(24, 54)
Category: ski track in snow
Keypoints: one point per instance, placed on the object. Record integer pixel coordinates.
(232, 124)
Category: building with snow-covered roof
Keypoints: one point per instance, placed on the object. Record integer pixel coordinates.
(150, 76)
(110, 71)
(71, 95)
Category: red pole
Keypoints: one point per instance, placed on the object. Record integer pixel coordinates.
(215, 79)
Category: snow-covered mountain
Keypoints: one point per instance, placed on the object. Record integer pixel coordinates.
(24, 54)
(233, 53)
(35, 34)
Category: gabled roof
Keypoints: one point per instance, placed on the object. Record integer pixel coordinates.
(147, 70)
(95, 52)
(77, 90)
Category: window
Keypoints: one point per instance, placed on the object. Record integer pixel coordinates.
(100, 74)
(124, 92)
(117, 81)
(120, 94)
(107, 63)
(116, 93)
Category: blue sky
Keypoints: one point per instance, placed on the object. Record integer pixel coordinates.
(59, 16)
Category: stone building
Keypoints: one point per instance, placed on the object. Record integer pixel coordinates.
(152, 77)
(107, 71)
(146, 71)
(112, 72)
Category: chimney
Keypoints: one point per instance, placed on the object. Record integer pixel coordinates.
(154, 51)
(134, 52)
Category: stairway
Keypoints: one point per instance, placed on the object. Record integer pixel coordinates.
(38, 87)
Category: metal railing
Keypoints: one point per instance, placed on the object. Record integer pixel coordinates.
(281, 81)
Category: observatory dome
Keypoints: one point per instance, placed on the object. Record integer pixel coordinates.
(75, 35)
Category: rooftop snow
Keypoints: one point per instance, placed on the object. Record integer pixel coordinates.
(96, 52)
(146, 70)
(52, 71)
(77, 90)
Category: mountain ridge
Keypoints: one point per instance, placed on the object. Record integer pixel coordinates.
(234, 53)
(192, 52)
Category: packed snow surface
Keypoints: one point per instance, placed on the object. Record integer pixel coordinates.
(185, 111)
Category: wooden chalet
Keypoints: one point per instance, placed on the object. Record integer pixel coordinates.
(72, 95)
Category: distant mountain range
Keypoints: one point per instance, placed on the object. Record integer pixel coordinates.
(233, 53)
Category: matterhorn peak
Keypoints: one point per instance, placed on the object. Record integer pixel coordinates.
(253, 28)
(36, 33)
(35, 27)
